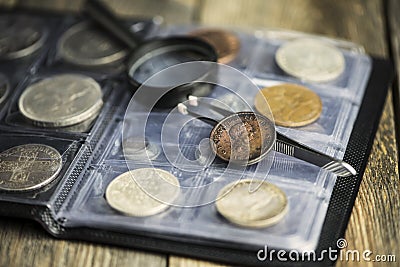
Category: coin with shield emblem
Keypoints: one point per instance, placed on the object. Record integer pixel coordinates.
(28, 167)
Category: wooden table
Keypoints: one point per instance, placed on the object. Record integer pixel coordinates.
(375, 221)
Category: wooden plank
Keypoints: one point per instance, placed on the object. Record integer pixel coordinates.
(178, 11)
(7, 3)
(68, 6)
(393, 8)
(186, 262)
(374, 223)
(24, 243)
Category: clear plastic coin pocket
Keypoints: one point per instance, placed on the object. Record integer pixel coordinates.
(34, 167)
(18, 111)
(80, 45)
(257, 50)
(193, 213)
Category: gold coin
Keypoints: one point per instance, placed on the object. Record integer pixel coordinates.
(143, 192)
(291, 105)
(252, 203)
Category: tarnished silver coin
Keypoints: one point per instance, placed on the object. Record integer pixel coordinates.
(28, 167)
(4, 88)
(20, 36)
(84, 45)
(61, 100)
(310, 60)
(143, 192)
(252, 203)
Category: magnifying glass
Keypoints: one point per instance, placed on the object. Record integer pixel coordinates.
(151, 56)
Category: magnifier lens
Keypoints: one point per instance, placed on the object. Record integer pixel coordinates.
(156, 56)
(154, 62)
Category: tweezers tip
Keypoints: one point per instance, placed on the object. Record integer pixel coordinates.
(182, 109)
(349, 168)
(193, 100)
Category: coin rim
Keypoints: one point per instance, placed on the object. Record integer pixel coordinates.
(280, 60)
(285, 123)
(29, 50)
(256, 223)
(85, 62)
(71, 120)
(45, 182)
(229, 34)
(140, 213)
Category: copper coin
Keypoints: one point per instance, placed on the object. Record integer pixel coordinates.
(292, 105)
(243, 138)
(225, 43)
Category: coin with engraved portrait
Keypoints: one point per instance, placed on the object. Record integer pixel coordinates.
(28, 167)
(61, 100)
(292, 105)
(243, 138)
(85, 45)
(225, 43)
(143, 192)
(252, 203)
(311, 60)
(20, 36)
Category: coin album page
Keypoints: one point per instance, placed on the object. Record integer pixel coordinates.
(92, 150)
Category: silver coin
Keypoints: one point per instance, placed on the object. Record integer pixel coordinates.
(252, 203)
(20, 36)
(143, 192)
(84, 45)
(4, 88)
(28, 167)
(310, 60)
(61, 100)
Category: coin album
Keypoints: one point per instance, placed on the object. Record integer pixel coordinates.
(73, 204)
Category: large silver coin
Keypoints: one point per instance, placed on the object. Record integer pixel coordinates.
(252, 203)
(143, 192)
(28, 167)
(61, 100)
(84, 45)
(310, 60)
(19, 36)
(4, 88)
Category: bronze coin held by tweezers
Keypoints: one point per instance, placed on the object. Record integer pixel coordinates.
(225, 43)
(243, 138)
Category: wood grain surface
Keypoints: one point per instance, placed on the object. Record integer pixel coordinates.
(375, 220)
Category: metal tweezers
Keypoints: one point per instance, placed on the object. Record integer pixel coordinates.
(283, 144)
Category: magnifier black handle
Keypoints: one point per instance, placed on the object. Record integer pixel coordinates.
(106, 19)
